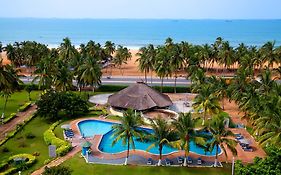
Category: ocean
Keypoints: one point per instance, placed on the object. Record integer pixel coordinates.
(135, 33)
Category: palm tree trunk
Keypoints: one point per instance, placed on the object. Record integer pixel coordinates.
(175, 87)
(216, 159)
(204, 118)
(145, 76)
(128, 152)
(162, 78)
(151, 77)
(4, 109)
(185, 159)
(160, 155)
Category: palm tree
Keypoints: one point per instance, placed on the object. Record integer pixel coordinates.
(162, 134)
(9, 82)
(127, 130)
(185, 129)
(176, 61)
(207, 101)
(89, 73)
(109, 49)
(162, 66)
(269, 54)
(144, 63)
(151, 55)
(122, 56)
(67, 51)
(62, 78)
(221, 137)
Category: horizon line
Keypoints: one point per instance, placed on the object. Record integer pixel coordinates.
(62, 18)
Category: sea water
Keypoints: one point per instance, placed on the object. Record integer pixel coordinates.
(139, 32)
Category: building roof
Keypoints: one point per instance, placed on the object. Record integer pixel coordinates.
(140, 97)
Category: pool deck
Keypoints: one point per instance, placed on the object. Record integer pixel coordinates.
(246, 157)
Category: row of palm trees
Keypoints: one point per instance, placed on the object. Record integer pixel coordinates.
(57, 67)
(178, 134)
(169, 59)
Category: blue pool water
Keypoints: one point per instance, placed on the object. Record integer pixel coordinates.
(89, 128)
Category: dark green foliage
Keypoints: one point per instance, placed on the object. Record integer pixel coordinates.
(57, 170)
(53, 103)
(5, 150)
(166, 89)
(270, 165)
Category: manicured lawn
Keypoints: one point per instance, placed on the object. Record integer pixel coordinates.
(20, 144)
(16, 100)
(80, 167)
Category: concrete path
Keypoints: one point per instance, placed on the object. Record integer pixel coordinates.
(58, 161)
(11, 125)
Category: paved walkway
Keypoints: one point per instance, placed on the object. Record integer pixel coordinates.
(11, 125)
(58, 161)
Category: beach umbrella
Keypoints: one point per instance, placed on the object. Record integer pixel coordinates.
(65, 126)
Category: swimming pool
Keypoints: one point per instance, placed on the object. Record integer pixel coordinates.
(89, 128)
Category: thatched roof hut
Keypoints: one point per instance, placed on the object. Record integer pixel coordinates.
(140, 97)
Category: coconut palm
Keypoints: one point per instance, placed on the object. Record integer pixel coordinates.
(89, 73)
(144, 62)
(127, 130)
(122, 56)
(207, 101)
(9, 82)
(269, 54)
(162, 135)
(268, 125)
(221, 137)
(176, 62)
(185, 130)
(162, 66)
(62, 77)
(67, 51)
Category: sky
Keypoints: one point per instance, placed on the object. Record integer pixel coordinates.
(155, 9)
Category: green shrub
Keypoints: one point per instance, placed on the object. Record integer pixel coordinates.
(24, 107)
(63, 147)
(30, 160)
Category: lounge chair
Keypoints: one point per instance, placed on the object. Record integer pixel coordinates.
(168, 162)
(180, 160)
(149, 161)
(199, 161)
(189, 160)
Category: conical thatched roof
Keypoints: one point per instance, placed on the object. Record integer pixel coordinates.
(140, 97)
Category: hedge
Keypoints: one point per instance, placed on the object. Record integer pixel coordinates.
(30, 161)
(165, 89)
(24, 107)
(63, 147)
(7, 119)
(13, 133)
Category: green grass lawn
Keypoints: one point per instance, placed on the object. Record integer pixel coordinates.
(16, 100)
(20, 144)
(80, 167)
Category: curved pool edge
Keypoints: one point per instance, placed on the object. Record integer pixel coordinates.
(122, 154)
